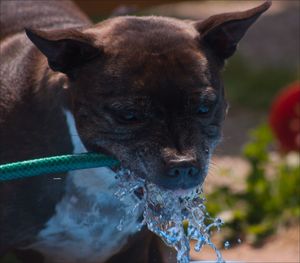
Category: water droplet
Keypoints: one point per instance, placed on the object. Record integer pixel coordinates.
(120, 225)
(226, 245)
(239, 240)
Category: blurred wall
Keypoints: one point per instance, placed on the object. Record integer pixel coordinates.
(105, 7)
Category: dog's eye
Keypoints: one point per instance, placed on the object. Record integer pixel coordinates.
(206, 106)
(130, 117)
(203, 109)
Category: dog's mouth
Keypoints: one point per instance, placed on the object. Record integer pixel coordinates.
(142, 182)
(180, 193)
(179, 188)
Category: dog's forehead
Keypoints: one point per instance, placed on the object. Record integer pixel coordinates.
(154, 56)
(175, 70)
(154, 34)
(174, 73)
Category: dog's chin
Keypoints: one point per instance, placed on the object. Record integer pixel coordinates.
(180, 191)
(186, 192)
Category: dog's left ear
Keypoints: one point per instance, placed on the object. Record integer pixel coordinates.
(65, 49)
(222, 32)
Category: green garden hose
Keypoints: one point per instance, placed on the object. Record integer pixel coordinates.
(55, 164)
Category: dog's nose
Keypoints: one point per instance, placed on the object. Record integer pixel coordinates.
(182, 175)
(190, 171)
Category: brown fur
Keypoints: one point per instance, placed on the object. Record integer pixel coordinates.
(160, 70)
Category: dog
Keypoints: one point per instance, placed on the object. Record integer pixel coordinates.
(145, 90)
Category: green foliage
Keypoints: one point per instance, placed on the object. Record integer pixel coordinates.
(252, 87)
(271, 197)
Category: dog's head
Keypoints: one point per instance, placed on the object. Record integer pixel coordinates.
(148, 91)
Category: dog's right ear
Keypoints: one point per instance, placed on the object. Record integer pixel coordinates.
(222, 33)
(65, 49)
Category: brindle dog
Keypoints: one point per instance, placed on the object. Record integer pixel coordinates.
(146, 90)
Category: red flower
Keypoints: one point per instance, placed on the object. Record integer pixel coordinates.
(285, 118)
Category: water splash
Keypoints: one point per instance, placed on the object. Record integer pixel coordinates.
(164, 212)
(226, 245)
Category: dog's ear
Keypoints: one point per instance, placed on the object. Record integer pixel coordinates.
(222, 32)
(65, 49)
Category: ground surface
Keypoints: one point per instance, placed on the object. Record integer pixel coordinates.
(282, 247)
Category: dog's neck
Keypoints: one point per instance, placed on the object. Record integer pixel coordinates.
(88, 214)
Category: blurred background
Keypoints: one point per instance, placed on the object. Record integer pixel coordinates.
(254, 180)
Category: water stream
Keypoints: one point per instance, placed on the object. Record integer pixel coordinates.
(165, 211)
